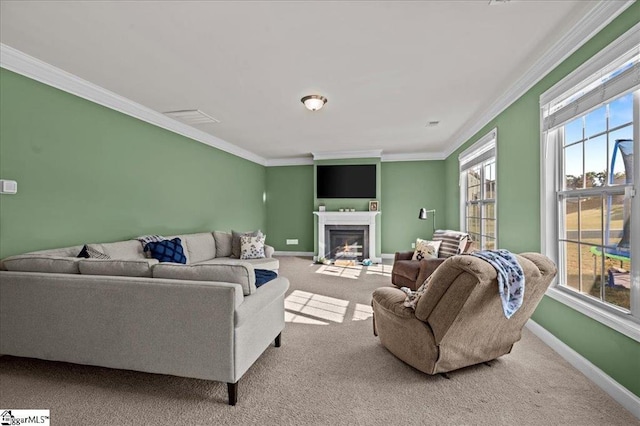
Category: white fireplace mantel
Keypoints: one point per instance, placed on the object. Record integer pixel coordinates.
(348, 218)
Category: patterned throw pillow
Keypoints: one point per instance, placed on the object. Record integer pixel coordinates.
(146, 239)
(167, 251)
(451, 242)
(252, 247)
(412, 297)
(236, 243)
(91, 253)
(426, 249)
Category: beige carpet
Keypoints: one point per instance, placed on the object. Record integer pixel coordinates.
(330, 370)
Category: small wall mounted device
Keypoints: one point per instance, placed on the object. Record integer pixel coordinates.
(8, 186)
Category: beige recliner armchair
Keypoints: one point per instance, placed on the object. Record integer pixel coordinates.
(458, 321)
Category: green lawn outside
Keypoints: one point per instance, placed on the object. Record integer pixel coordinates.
(591, 268)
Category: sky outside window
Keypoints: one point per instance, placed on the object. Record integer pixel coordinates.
(595, 149)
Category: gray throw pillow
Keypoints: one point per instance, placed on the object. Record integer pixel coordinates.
(223, 243)
(236, 244)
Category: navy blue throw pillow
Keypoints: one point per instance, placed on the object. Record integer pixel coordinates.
(167, 250)
(84, 253)
(263, 276)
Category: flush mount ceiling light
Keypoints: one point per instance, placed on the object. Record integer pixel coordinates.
(314, 102)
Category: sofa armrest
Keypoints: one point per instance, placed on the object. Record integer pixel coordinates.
(259, 300)
(403, 255)
(392, 300)
(241, 273)
(268, 251)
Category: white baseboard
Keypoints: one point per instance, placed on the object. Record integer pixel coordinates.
(293, 253)
(615, 390)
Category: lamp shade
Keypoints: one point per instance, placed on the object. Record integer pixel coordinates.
(423, 214)
(314, 102)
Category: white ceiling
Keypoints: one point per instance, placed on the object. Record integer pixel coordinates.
(387, 68)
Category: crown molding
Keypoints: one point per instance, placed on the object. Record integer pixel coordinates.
(414, 156)
(597, 18)
(336, 155)
(294, 161)
(35, 69)
(306, 161)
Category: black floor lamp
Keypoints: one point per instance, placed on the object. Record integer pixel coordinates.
(424, 214)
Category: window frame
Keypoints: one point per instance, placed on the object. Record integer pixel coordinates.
(551, 178)
(476, 155)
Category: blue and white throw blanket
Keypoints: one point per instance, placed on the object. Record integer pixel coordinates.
(510, 278)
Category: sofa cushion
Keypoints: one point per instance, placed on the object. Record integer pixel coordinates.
(252, 247)
(167, 251)
(122, 268)
(60, 252)
(223, 243)
(126, 268)
(200, 246)
(91, 253)
(130, 249)
(42, 263)
(240, 273)
(264, 263)
(236, 244)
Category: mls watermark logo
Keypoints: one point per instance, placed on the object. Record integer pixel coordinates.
(24, 417)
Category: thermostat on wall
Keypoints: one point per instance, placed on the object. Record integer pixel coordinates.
(8, 186)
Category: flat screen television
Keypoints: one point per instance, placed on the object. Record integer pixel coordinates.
(346, 181)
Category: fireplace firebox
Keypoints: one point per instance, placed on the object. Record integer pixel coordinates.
(347, 242)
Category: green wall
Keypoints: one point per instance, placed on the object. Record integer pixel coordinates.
(87, 173)
(408, 186)
(518, 180)
(291, 199)
(289, 207)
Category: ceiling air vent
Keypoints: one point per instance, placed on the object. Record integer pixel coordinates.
(191, 116)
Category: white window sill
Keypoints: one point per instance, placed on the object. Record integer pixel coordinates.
(619, 322)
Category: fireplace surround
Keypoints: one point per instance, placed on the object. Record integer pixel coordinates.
(344, 225)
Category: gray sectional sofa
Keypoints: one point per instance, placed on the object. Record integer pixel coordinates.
(204, 320)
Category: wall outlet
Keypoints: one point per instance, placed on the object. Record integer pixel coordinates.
(413, 245)
(292, 242)
(8, 187)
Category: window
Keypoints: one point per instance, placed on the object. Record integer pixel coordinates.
(590, 126)
(478, 192)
